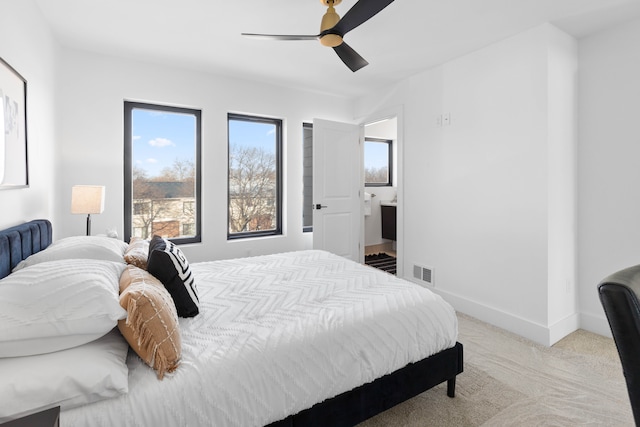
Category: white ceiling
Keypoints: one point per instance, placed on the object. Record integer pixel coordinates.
(405, 38)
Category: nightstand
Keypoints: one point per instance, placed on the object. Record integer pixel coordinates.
(47, 418)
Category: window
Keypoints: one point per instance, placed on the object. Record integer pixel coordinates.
(188, 207)
(377, 162)
(188, 229)
(141, 208)
(307, 177)
(255, 176)
(162, 172)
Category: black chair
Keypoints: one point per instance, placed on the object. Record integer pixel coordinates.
(619, 296)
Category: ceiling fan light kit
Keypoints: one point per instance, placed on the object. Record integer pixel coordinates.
(333, 29)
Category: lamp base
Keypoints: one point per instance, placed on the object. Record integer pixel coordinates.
(88, 224)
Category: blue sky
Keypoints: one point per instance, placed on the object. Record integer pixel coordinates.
(376, 154)
(159, 138)
(253, 134)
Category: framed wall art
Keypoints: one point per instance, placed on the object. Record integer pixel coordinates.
(14, 169)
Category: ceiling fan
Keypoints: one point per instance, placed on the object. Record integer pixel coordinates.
(333, 29)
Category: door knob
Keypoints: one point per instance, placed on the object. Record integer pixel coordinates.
(319, 206)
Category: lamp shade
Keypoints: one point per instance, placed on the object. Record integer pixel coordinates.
(87, 199)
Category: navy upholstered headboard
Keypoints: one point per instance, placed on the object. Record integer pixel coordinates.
(17, 243)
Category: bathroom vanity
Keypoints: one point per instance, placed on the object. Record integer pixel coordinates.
(388, 220)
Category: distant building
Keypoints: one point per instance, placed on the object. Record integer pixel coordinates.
(163, 208)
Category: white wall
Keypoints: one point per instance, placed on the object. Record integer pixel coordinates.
(608, 171)
(562, 142)
(92, 90)
(476, 193)
(27, 45)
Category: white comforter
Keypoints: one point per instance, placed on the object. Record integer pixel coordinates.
(275, 335)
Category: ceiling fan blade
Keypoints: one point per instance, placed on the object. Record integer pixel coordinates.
(350, 57)
(361, 12)
(280, 36)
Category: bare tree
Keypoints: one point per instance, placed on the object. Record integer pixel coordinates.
(145, 206)
(376, 175)
(252, 189)
(180, 170)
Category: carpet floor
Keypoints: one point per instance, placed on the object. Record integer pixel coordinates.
(511, 381)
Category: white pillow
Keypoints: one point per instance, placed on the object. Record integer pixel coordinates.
(58, 304)
(68, 378)
(80, 247)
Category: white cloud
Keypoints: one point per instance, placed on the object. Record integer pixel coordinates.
(271, 131)
(160, 142)
(136, 137)
(152, 160)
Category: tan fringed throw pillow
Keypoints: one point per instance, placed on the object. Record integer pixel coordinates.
(137, 252)
(151, 327)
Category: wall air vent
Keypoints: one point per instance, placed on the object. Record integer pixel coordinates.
(424, 274)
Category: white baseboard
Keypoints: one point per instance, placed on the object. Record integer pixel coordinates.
(545, 335)
(596, 324)
(564, 327)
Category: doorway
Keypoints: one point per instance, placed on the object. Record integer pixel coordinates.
(381, 170)
(388, 125)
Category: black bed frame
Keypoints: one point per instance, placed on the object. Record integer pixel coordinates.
(346, 409)
(361, 403)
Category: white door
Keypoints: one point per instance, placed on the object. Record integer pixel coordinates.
(337, 181)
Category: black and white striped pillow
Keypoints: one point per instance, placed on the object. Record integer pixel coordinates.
(169, 265)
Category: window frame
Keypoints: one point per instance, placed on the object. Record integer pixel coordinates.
(389, 182)
(277, 231)
(129, 106)
(307, 127)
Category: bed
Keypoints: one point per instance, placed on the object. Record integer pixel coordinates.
(295, 339)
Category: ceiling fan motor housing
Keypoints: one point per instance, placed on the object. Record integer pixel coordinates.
(329, 20)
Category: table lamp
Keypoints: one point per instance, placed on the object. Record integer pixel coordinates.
(87, 199)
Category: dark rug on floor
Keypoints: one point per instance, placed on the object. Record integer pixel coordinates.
(382, 261)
